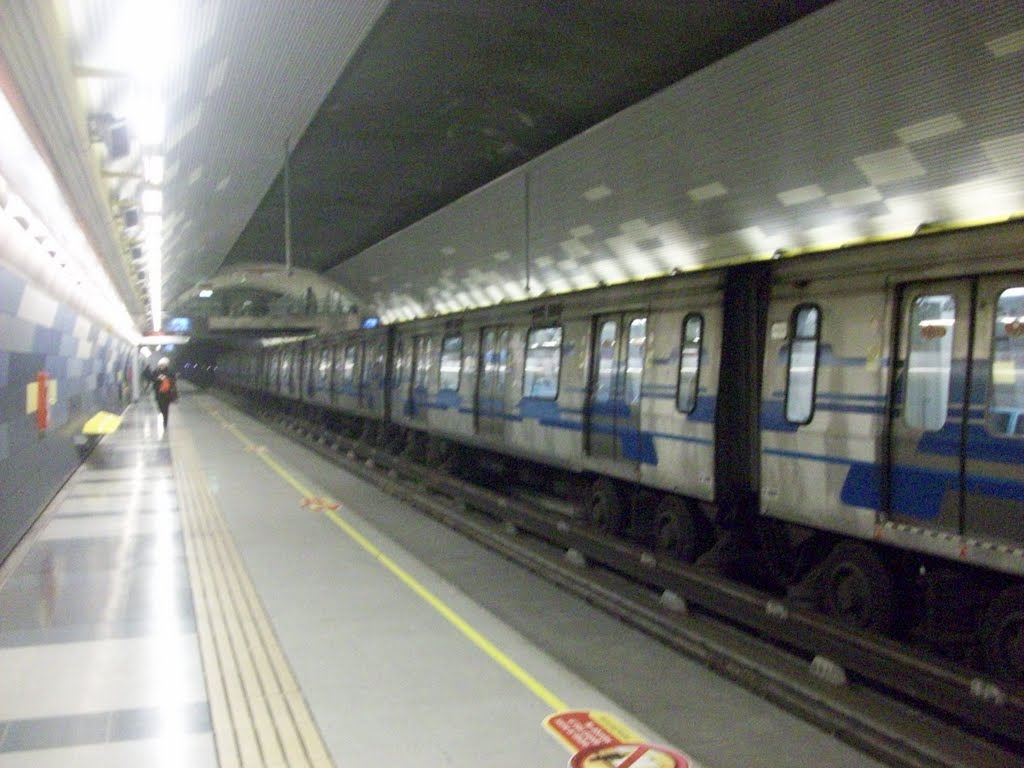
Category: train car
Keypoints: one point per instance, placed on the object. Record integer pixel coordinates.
(616, 385)
(345, 373)
(891, 418)
(359, 374)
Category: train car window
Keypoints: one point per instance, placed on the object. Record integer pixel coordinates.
(502, 361)
(636, 353)
(802, 370)
(495, 360)
(451, 363)
(286, 371)
(543, 362)
(307, 380)
(373, 365)
(607, 361)
(401, 364)
(689, 363)
(929, 361)
(488, 355)
(424, 349)
(348, 369)
(1006, 406)
(324, 370)
(366, 369)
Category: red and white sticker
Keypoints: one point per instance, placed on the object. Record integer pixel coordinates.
(320, 504)
(599, 740)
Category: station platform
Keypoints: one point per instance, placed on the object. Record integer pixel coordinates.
(216, 595)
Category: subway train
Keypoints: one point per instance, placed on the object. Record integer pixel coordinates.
(847, 426)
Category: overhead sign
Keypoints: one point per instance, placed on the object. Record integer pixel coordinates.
(161, 339)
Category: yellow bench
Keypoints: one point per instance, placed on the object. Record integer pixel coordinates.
(103, 423)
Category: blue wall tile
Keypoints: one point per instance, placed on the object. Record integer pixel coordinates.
(17, 335)
(11, 288)
(46, 341)
(33, 467)
(65, 319)
(68, 345)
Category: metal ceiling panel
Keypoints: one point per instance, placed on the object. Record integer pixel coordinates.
(864, 119)
(255, 76)
(445, 96)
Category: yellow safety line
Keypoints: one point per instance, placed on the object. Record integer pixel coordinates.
(485, 645)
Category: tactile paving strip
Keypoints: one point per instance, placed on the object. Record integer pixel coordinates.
(259, 715)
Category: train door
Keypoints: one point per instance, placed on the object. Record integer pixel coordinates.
(274, 373)
(616, 374)
(419, 381)
(342, 382)
(490, 390)
(929, 417)
(399, 378)
(337, 372)
(320, 374)
(286, 372)
(362, 373)
(371, 390)
(994, 444)
(350, 372)
(310, 368)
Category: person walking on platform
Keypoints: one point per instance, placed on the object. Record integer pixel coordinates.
(165, 387)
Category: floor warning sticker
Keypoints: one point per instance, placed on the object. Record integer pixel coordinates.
(598, 740)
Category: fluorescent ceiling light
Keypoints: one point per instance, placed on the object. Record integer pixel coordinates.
(707, 192)
(149, 122)
(1007, 44)
(152, 201)
(153, 169)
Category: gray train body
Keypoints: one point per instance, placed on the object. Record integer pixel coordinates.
(855, 417)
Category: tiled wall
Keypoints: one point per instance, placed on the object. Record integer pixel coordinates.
(86, 367)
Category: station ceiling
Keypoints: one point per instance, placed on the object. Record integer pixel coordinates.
(441, 97)
(389, 111)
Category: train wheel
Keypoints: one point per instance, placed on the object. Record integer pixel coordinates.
(675, 530)
(1002, 634)
(855, 588)
(604, 509)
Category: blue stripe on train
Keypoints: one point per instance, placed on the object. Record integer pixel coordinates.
(918, 491)
(981, 444)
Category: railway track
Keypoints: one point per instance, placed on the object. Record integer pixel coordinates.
(893, 703)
